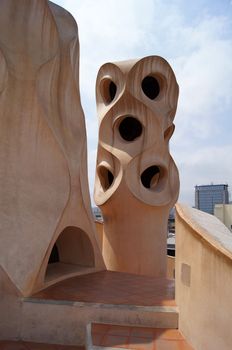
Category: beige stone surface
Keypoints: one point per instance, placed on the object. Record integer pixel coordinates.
(100, 230)
(136, 178)
(170, 273)
(10, 308)
(65, 323)
(43, 174)
(224, 213)
(203, 279)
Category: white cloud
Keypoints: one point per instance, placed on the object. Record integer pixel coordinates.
(205, 80)
(108, 31)
(198, 47)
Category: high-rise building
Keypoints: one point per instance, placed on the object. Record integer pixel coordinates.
(206, 196)
(97, 213)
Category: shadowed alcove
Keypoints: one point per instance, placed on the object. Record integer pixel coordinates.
(106, 177)
(71, 253)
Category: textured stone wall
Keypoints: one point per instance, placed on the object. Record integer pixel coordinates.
(43, 172)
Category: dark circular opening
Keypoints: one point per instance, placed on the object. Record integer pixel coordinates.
(150, 87)
(106, 177)
(108, 90)
(130, 128)
(150, 176)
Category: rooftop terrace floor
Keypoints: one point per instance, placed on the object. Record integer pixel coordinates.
(110, 287)
(138, 338)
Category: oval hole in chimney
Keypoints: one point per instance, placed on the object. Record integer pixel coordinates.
(150, 87)
(130, 128)
(150, 177)
(108, 90)
(106, 177)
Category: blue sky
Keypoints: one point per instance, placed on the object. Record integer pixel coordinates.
(195, 37)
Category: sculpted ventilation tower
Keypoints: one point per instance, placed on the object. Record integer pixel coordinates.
(47, 230)
(136, 178)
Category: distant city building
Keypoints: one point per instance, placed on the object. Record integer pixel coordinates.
(97, 213)
(171, 245)
(171, 233)
(206, 196)
(171, 222)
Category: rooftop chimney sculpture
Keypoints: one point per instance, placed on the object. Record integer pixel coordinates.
(137, 180)
(47, 231)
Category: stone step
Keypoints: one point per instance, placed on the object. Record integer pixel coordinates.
(59, 314)
(65, 321)
(109, 336)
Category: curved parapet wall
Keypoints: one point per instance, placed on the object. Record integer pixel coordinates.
(136, 178)
(208, 228)
(203, 279)
(43, 172)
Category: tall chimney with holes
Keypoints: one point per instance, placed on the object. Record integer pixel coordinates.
(137, 180)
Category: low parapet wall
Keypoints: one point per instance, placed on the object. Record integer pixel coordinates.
(203, 279)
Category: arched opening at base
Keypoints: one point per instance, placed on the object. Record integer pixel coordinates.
(72, 252)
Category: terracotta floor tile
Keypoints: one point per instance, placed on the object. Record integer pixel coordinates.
(167, 345)
(11, 345)
(169, 334)
(142, 332)
(139, 338)
(97, 339)
(100, 328)
(162, 344)
(183, 345)
(141, 343)
(116, 341)
(119, 330)
(113, 288)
